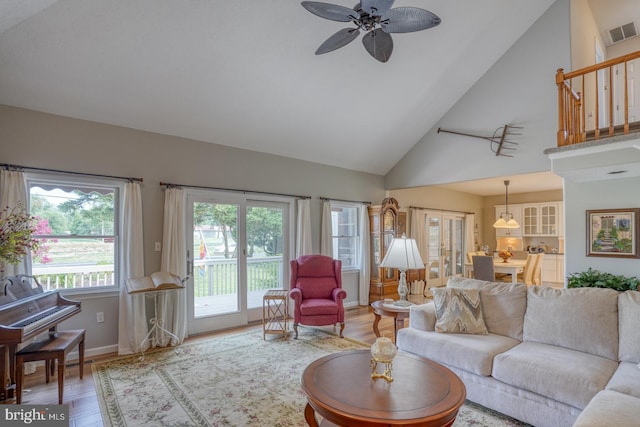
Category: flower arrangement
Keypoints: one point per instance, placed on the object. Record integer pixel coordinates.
(16, 229)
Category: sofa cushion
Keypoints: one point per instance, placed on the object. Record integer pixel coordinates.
(423, 316)
(626, 379)
(503, 304)
(610, 408)
(568, 376)
(316, 307)
(458, 311)
(629, 328)
(471, 353)
(583, 319)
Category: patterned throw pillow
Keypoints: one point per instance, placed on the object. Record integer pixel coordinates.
(458, 311)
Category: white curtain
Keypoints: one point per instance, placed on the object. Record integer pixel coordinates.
(326, 234)
(13, 194)
(469, 237)
(303, 235)
(469, 234)
(132, 325)
(365, 257)
(173, 304)
(417, 231)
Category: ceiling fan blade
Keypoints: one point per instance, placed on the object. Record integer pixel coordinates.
(379, 44)
(408, 19)
(333, 12)
(376, 7)
(338, 40)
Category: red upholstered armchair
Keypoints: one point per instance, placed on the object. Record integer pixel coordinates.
(316, 290)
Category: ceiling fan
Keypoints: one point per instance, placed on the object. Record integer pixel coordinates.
(375, 16)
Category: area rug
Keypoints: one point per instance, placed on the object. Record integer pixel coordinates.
(234, 380)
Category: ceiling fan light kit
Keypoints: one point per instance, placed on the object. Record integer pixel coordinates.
(377, 18)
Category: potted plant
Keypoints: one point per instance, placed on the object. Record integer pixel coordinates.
(16, 229)
(596, 279)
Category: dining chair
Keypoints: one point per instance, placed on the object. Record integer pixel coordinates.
(483, 268)
(537, 275)
(528, 271)
(470, 255)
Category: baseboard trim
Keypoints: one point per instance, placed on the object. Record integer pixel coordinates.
(92, 352)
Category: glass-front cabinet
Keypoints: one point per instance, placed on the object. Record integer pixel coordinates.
(386, 222)
(541, 219)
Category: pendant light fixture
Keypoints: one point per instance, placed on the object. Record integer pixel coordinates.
(506, 218)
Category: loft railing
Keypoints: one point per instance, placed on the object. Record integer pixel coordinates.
(595, 102)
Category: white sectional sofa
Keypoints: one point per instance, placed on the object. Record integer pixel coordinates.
(551, 358)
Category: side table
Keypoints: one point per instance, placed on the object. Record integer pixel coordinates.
(275, 311)
(398, 313)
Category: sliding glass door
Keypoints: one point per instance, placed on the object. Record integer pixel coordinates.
(239, 250)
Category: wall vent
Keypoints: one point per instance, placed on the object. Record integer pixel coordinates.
(623, 32)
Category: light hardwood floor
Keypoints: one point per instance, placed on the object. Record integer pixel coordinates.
(81, 394)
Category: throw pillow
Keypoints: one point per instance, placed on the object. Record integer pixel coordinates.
(458, 311)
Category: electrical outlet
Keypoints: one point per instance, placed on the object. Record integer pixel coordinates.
(100, 317)
(158, 246)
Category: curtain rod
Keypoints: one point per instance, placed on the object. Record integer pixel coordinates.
(166, 184)
(441, 210)
(342, 200)
(8, 166)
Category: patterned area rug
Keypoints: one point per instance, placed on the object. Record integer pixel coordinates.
(236, 380)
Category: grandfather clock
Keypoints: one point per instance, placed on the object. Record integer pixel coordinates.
(386, 222)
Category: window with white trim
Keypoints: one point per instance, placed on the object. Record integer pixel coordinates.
(77, 230)
(345, 226)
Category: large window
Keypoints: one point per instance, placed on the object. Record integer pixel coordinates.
(346, 235)
(77, 230)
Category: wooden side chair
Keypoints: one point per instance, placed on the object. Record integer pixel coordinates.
(528, 275)
(55, 348)
(537, 275)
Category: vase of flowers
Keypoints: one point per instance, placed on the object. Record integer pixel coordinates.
(16, 230)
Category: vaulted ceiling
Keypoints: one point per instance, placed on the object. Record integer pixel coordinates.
(243, 73)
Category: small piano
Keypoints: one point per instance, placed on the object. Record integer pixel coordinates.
(26, 310)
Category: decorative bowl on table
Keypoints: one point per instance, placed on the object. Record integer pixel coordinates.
(505, 255)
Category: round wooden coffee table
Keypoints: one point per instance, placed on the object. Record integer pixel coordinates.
(399, 313)
(339, 388)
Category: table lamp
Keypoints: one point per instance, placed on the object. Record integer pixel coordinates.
(403, 254)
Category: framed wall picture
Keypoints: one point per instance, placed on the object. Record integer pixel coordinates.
(613, 233)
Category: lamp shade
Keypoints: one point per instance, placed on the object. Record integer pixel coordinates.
(502, 223)
(512, 223)
(403, 254)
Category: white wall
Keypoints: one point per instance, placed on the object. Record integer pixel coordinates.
(580, 197)
(584, 36)
(623, 48)
(519, 90)
(36, 139)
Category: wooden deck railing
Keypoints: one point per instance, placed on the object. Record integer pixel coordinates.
(212, 277)
(583, 115)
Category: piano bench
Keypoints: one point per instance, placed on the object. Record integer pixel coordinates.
(50, 350)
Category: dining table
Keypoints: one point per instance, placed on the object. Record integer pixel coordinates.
(511, 266)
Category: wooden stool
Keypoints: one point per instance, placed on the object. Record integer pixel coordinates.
(55, 348)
